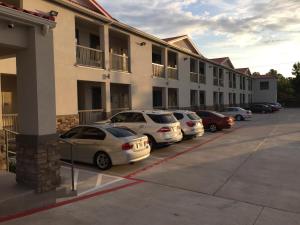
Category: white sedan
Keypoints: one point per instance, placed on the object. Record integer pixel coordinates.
(238, 113)
(190, 123)
(104, 145)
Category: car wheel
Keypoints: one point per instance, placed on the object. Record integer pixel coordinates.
(263, 111)
(238, 118)
(102, 161)
(152, 142)
(212, 128)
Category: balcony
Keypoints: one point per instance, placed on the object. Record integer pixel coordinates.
(119, 62)
(172, 73)
(158, 70)
(194, 77)
(89, 57)
(202, 79)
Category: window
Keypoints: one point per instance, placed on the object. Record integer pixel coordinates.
(120, 132)
(193, 67)
(202, 74)
(203, 114)
(73, 133)
(92, 133)
(178, 116)
(162, 118)
(221, 98)
(121, 118)
(264, 85)
(157, 97)
(96, 98)
(193, 96)
(221, 77)
(202, 97)
(216, 81)
(234, 80)
(241, 82)
(193, 116)
(77, 36)
(216, 98)
(234, 98)
(94, 41)
(137, 118)
(230, 80)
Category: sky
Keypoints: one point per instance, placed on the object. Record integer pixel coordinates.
(259, 34)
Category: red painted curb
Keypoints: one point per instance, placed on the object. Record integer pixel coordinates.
(129, 176)
(70, 201)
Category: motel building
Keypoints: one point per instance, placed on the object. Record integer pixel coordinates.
(69, 62)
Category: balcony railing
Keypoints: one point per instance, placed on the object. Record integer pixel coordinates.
(194, 77)
(158, 70)
(90, 116)
(172, 73)
(119, 62)
(202, 79)
(89, 56)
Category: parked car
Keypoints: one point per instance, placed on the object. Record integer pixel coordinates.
(238, 113)
(161, 127)
(214, 121)
(104, 145)
(190, 122)
(261, 108)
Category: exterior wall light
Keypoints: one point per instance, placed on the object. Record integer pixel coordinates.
(142, 43)
(53, 13)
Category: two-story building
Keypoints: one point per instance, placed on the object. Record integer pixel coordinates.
(103, 66)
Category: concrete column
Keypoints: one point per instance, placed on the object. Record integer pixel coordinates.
(37, 158)
(165, 60)
(106, 101)
(105, 46)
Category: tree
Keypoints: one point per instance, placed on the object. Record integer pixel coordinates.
(296, 69)
(256, 74)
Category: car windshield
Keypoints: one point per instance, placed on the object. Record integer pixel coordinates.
(120, 132)
(193, 116)
(162, 118)
(218, 114)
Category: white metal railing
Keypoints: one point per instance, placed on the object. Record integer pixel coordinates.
(90, 116)
(172, 73)
(202, 78)
(194, 77)
(10, 122)
(89, 56)
(119, 62)
(158, 70)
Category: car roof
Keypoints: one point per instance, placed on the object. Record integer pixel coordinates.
(100, 126)
(182, 111)
(158, 112)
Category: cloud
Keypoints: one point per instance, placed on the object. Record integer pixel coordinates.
(240, 24)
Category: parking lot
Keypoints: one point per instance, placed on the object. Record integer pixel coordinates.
(245, 175)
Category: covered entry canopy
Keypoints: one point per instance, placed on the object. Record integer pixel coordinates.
(28, 37)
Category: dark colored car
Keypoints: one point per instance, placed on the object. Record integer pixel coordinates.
(214, 121)
(261, 108)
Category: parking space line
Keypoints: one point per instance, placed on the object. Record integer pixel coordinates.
(159, 162)
(102, 192)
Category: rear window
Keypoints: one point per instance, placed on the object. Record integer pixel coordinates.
(218, 114)
(120, 132)
(162, 118)
(193, 116)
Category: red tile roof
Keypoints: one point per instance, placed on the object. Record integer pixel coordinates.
(92, 5)
(264, 77)
(219, 60)
(44, 16)
(173, 38)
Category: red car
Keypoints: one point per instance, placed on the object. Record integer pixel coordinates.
(214, 121)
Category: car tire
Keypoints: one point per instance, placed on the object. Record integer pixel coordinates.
(263, 112)
(152, 141)
(212, 128)
(102, 161)
(239, 118)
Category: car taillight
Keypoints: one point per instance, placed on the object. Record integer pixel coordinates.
(190, 123)
(164, 129)
(127, 146)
